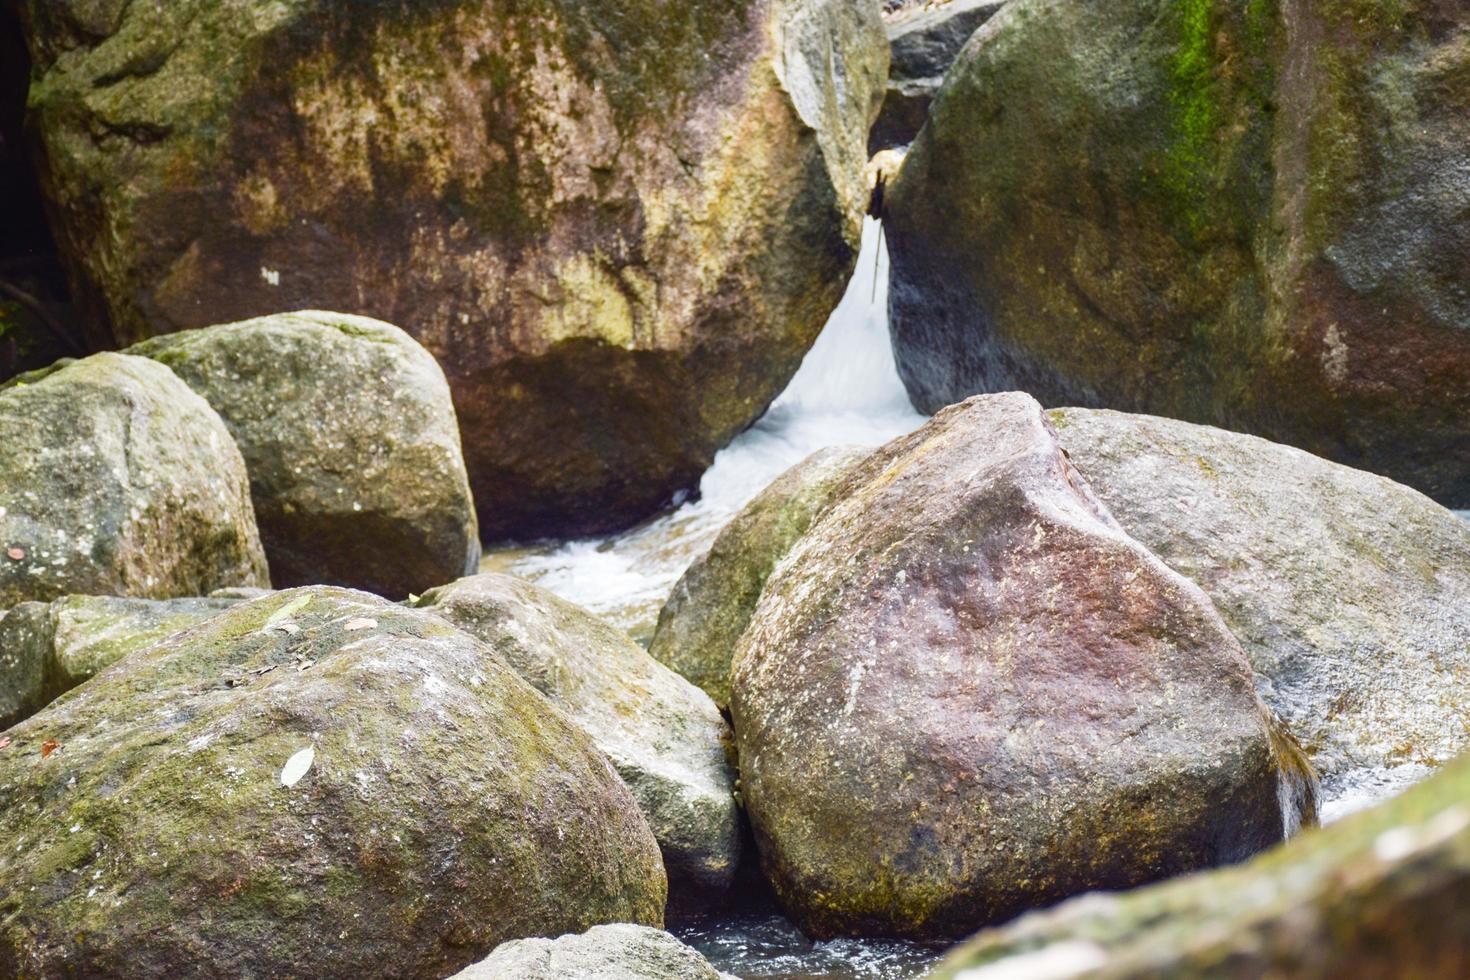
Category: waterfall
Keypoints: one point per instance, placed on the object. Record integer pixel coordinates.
(847, 392)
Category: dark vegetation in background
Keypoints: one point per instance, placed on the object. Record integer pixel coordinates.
(37, 321)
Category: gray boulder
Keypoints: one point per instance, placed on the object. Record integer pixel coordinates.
(314, 777)
(923, 42)
(712, 602)
(1349, 593)
(116, 479)
(350, 439)
(967, 692)
(665, 737)
(615, 952)
(46, 649)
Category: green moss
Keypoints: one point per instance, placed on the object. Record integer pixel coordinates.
(1195, 112)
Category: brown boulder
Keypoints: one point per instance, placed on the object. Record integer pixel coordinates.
(967, 692)
(617, 227)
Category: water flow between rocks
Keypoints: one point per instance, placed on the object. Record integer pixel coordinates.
(846, 392)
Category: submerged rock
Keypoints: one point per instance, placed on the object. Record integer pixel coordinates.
(1244, 214)
(1384, 893)
(618, 229)
(351, 443)
(666, 739)
(967, 692)
(116, 479)
(923, 43)
(1349, 593)
(314, 777)
(46, 649)
(712, 603)
(616, 952)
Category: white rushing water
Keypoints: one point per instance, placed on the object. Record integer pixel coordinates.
(847, 392)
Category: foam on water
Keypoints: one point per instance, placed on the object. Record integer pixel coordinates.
(846, 392)
(768, 947)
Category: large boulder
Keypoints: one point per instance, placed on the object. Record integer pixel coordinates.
(615, 952)
(48, 648)
(967, 692)
(618, 229)
(1384, 893)
(316, 780)
(116, 479)
(666, 739)
(350, 439)
(1244, 214)
(713, 601)
(1349, 593)
(923, 42)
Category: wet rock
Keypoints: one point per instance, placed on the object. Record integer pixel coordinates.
(1384, 893)
(666, 739)
(616, 952)
(619, 233)
(1247, 215)
(317, 776)
(712, 603)
(923, 42)
(46, 649)
(116, 479)
(350, 439)
(967, 692)
(1349, 593)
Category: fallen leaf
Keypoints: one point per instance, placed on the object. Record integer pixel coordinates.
(353, 625)
(296, 766)
(15, 554)
(5, 742)
(49, 746)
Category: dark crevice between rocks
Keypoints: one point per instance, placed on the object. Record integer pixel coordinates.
(38, 323)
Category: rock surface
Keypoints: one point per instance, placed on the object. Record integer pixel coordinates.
(666, 739)
(1349, 593)
(616, 952)
(1384, 893)
(46, 649)
(317, 776)
(923, 43)
(618, 232)
(350, 439)
(712, 603)
(1244, 214)
(116, 479)
(966, 692)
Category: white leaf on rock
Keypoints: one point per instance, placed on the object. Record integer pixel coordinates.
(296, 766)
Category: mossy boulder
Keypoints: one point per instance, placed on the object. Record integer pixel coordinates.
(349, 437)
(314, 777)
(1349, 593)
(46, 649)
(616, 952)
(1385, 893)
(967, 692)
(116, 479)
(618, 229)
(664, 736)
(1246, 214)
(712, 602)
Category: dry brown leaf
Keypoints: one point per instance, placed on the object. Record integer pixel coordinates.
(49, 746)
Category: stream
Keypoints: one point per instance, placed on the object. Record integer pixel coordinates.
(847, 392)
